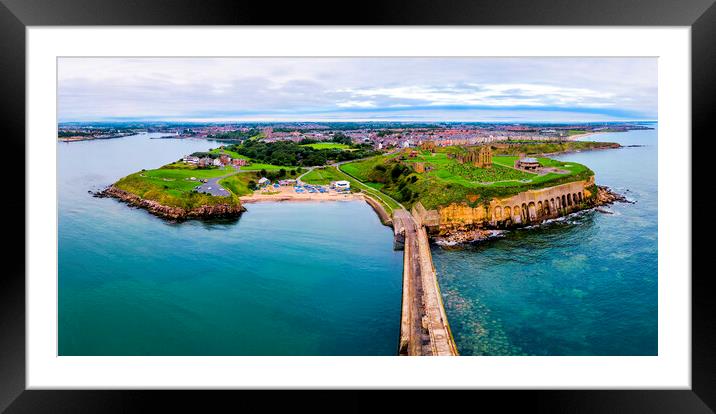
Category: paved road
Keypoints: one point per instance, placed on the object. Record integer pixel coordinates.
(214, 188)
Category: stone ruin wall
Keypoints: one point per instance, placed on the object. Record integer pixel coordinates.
(529, 207)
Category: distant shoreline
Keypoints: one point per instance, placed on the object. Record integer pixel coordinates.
(93, 138)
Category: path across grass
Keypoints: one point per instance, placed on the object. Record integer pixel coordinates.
(387, 201)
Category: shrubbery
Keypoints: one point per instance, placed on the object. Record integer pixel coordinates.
(293, 154)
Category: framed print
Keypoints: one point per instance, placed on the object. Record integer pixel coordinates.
(215, 203)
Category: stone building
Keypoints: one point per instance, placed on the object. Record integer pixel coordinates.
(428, 146)
(480, 157)
(527, 163)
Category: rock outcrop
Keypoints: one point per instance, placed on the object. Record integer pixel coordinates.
(606, 195)
(175, 213)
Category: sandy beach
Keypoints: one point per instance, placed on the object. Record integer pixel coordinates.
(289, 194)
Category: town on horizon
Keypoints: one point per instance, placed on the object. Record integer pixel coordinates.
(380, 135)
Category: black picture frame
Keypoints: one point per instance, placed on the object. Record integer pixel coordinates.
(16, 15)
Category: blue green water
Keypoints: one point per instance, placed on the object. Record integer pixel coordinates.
(585, 285)
(284, 279)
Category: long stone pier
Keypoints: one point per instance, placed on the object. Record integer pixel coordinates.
(424, 328)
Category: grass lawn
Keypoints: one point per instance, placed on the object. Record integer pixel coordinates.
(326, 175)
(171, 185)
(231, 154)
(322, 176)
(327, 145)
(267, 167)
(239, 183)
(362, 169)
(387, 201)
(450, 181)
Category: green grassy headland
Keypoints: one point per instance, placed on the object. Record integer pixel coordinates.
(445, 180)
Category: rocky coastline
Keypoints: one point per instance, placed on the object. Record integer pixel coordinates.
(466, 236)
(607, 196)
(168, 212)
(605, 146)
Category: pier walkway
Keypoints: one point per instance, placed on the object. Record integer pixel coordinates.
(424, 328)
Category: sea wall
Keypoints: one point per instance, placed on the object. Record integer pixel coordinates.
(380, 211)
(177, 213)
(529, 207)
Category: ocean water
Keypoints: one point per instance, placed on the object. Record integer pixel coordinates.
(582, 285)
(285, 279)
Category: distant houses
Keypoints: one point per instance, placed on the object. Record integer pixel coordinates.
(190, 159)
(219, 161)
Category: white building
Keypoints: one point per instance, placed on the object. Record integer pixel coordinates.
(190, 159)
(342, 185)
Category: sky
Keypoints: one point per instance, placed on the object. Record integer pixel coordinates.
(357, 89)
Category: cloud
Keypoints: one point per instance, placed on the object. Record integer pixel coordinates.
(330, 88)
(356, 104)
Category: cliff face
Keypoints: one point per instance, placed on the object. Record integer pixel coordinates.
(526, 208)
(177, 213)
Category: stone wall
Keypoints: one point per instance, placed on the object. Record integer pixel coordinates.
(428, 218)
(529, 207)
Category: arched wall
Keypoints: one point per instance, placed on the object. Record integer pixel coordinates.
(526, 207)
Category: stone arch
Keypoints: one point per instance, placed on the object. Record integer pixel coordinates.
(498, 213)
(569, 199)
(531, 211)
(574, 198)
(540, 209)
(547, 210)
(525, 214)
(580, 196)
(564, 202)
(508, 212)
(516, 214)
(551, 205)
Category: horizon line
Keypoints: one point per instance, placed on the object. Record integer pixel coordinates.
(230, 121)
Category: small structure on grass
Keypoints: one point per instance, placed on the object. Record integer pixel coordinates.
(342, 185)
(527, 163)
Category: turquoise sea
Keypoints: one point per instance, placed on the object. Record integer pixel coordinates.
(582, 285)
(285, 279)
